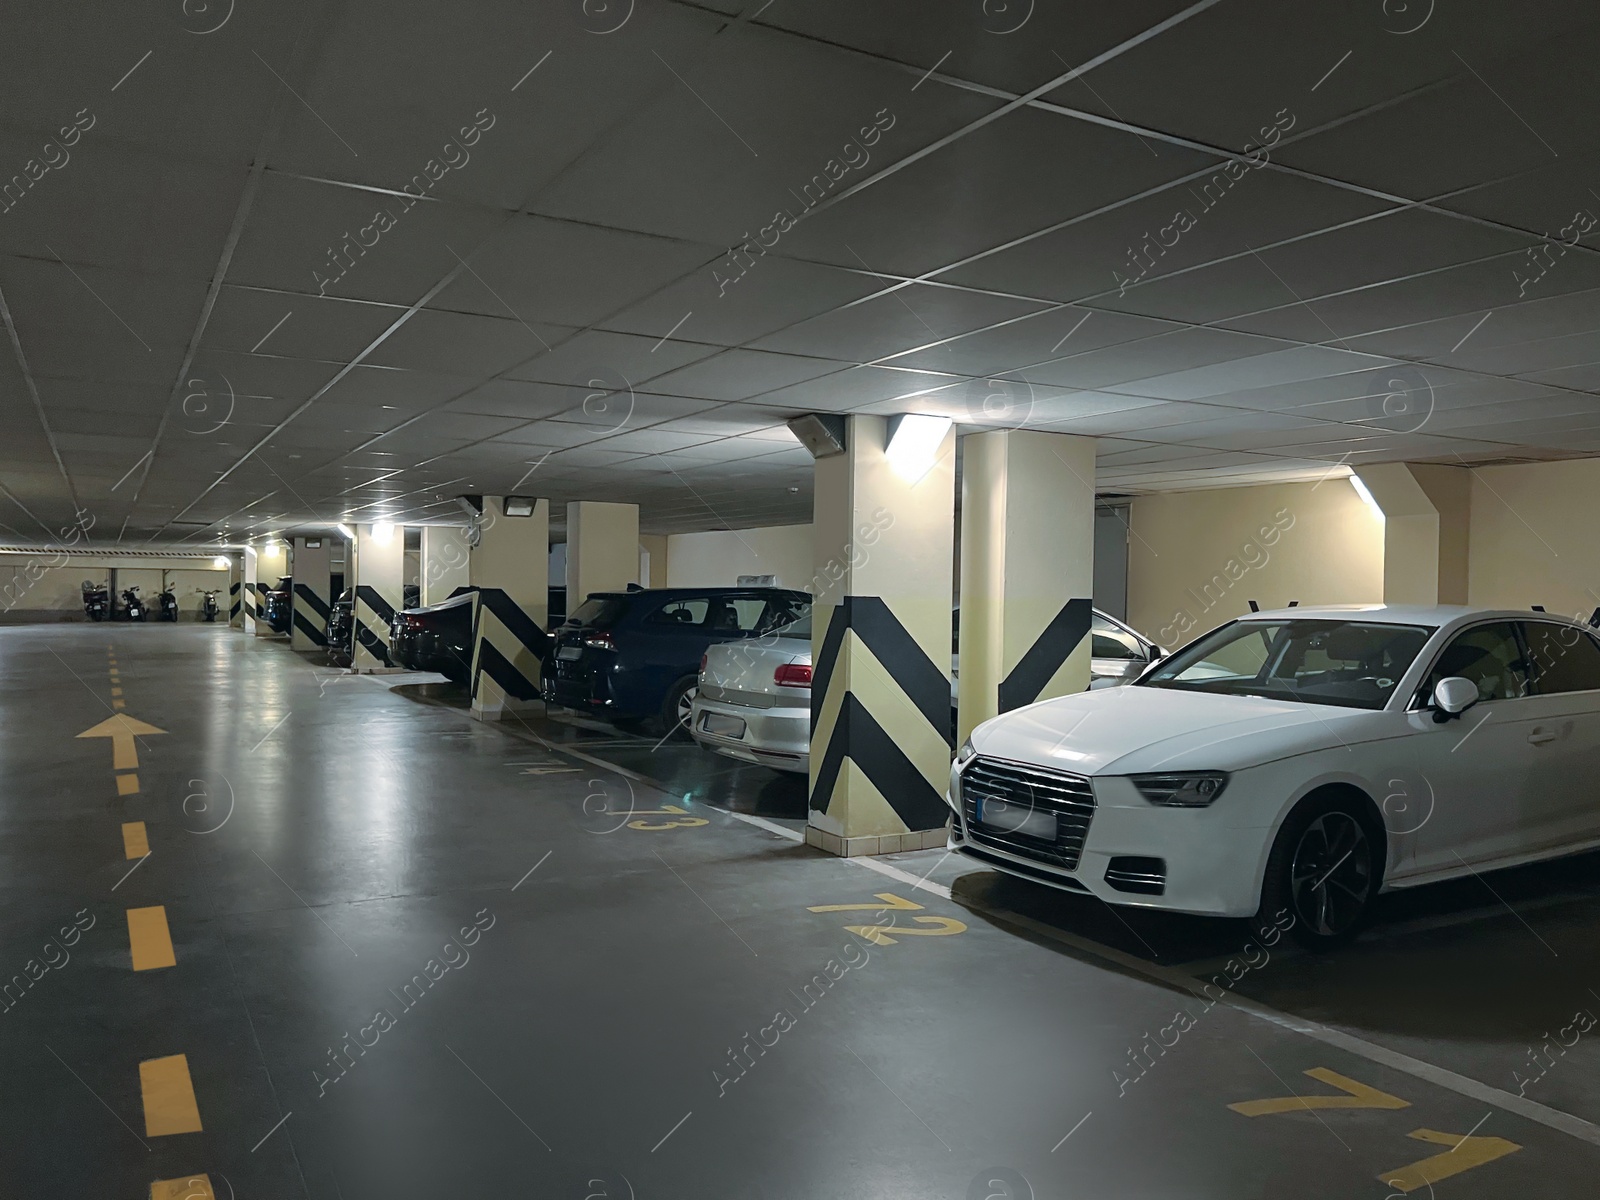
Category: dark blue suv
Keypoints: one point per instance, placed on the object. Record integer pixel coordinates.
(634, 657)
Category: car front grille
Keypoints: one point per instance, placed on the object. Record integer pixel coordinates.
(722, 695)
(1068, 799)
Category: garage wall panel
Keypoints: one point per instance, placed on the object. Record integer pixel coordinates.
(717, 558)
(1534, 538)
(1196, 558)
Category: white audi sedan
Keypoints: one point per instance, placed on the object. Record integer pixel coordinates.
(1297, 763)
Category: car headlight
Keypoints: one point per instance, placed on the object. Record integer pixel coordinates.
(966, 752)
(1181, 789)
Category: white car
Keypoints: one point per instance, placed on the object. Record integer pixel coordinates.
(1297, 763)
(753, 702)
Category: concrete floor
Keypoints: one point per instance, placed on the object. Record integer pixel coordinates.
(649, 1004)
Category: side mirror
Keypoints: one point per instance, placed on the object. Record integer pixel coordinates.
(1452, 697)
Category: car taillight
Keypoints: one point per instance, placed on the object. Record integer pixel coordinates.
(793, 675)
(600, 641)
(703, 658)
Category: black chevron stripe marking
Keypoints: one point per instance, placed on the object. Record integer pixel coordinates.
(302, 591)
(376, 646)
(1044, 658)
(923, 682)
(857, 736)
(500, 669)
(521, 626)
(318, 638)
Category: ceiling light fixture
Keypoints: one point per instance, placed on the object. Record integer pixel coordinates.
(382, 531)
(1366, 495)
(221, 560)
(914, 440)
(349, 533)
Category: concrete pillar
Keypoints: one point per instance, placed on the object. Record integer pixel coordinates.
(379, 565)
(511, 568)
(252, 587)
(444, 562)
(1426, 511)
(232, 600)
(881, 631)
(272, 564)
(1027, 569)
(602, 549)
(313, 593)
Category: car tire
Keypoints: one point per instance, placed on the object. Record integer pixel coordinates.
(1323, 874)
(673, 719)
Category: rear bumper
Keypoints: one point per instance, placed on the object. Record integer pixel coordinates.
(778, 737)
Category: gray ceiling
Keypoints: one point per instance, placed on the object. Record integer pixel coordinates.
(1053, 221)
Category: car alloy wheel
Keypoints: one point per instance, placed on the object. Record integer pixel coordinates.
(1330, 878)
(686, 705)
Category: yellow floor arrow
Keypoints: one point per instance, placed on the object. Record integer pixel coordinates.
(1357, 1095)
(1464, 1154)
(122, 729)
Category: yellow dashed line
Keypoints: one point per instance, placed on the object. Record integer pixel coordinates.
(169, 1103)
(127, 785)
(149, 939)
(193, 1187)
(116, 691)
(119, 704)
(135, 842)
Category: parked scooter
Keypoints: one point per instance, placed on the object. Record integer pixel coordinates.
(169, 604)
(208, 611)
(96, 600)
(133, 608)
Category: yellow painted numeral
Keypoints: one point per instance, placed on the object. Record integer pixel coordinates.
(1358, 1095)
(666, 810)
(890, 900)
(880, 936)
(1464, 1154)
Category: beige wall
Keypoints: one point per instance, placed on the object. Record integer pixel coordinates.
(655, 544)
(1534, 537)
(1195, 558)
(602, 548)
(717, 558)
(32, 587)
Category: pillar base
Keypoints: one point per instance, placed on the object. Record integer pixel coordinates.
(507, 709)
(887, 843)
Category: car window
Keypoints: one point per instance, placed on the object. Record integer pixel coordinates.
(1489, 655)
(1354, 664)
(1565, 658)
(682, 613)
(800, 627)
(1107, 641)
(783, 610)
(747, 613)
(597, 612)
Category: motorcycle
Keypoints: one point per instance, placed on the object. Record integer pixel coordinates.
(133, 608)
(169, 604)
(208, 611)
(96, 600)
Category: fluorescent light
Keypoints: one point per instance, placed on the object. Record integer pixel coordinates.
(1361, 490)
(914, 439)
(382, 531)
(349, 533)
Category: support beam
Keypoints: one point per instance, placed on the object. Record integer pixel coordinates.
(313, 583)
(510, 566)
(881, 633)
(1426, 511)
(272, 564)
(602, 549)
(379, 569)
(444, 562)
(1027, 569)
(231, 602)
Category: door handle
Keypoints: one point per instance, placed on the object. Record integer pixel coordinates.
(1540, 736)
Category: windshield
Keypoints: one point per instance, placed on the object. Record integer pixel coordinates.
(800, 628)
(1353, 664)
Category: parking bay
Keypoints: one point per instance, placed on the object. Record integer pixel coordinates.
(620, 1019)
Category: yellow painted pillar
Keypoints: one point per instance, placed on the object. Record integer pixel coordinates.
(511, 567)
(379, 568)
(884, 535)
(1027, 569)
(1426, 512)
(602, 549)
(308, 619)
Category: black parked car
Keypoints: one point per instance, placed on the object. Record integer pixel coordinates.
(275, 606)
(634, 657)
(342, 629)
(435, 638)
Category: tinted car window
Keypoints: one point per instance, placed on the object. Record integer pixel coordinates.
(1491, 656)
(682, 613)
(798, 628)
(1354, 664)
(1565, 659)
(597, 612)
